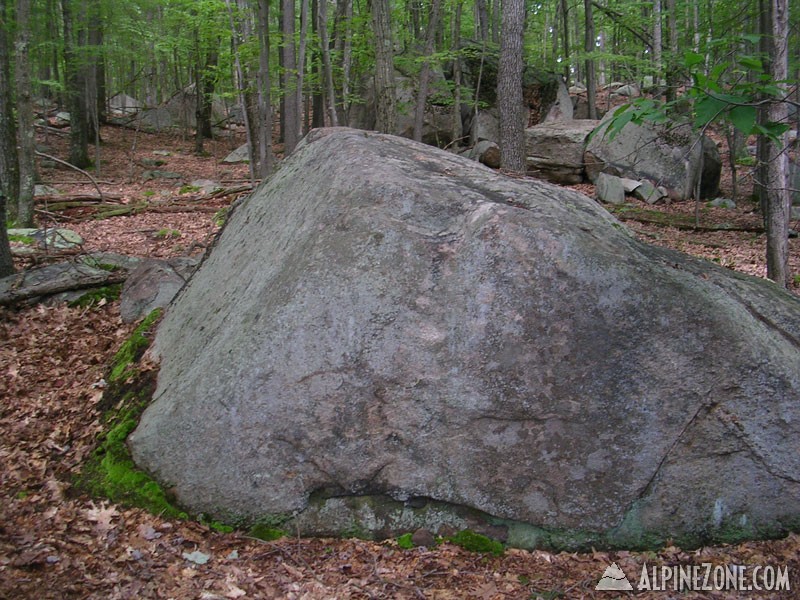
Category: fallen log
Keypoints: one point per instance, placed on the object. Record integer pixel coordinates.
(84, 273)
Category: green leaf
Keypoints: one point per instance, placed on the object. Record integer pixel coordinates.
(691, 59)
(743, 118)
(751, 62)
(708, 109)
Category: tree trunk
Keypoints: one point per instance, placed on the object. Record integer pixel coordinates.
(385, 98)
(9, 166)
(25, 116)
(778, 198)
(265, 157)
(564, 39)
(75, 92)
(6, 261)
(424, 75)
(344, 45)
(509, 87)
(290, 116)
(482, 20)
(458, 124)
(657, 42)
(301, 64)
(591, 83)
(673, 70)
(327, 67)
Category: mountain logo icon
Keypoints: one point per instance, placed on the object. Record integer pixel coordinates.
(614, 580)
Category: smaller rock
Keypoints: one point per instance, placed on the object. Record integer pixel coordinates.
(45, 190)
(162, 153)
(577, 88)
(423, 537)
(156, 174)
(240, 155)
(153, 284)
(647, 192)
(62, 117)
(722, 203)
(153, 162)
(488, 153)
(484, 127)
(50, 238)
(629, 184)
(207, 186)
(609, 189)
(626, 91)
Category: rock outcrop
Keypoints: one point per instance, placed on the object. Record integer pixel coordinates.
(669, 155)
(387, 336)
(554, 151)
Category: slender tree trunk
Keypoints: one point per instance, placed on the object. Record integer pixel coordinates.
(75, 91)
(327, 67)
(344, 44)
(385, 98)
(673, 71)
(241, 87)
(25, 116)
(458, 124)
(291, 102)
(482, 20)
(6, 261)
(778, 197)
(591, 82)
(9, 165)
(424, 75)
(509, 88)
(565, 39)
(265, 157)
(658, 43)
(301, 63)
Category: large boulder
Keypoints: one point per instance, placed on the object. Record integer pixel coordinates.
(554, 150)
(668, 155)
(388, 336)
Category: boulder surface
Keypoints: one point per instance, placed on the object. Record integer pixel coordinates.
(669, 155)
(387, 337)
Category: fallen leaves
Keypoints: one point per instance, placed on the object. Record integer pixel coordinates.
(55, 544)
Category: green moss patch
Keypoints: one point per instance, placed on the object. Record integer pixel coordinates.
(475, 542)
(95, 296)
(110, 471)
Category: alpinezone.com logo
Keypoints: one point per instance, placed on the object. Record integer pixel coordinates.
(697, 578)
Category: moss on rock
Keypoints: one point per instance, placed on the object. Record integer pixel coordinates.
(110, 471)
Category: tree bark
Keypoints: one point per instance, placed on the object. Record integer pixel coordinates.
(385, 97)
(265, 157)
(778, 198)
(301, 64)
(424, 75)
(509, 87)
(25, 116)
(9, 165)
(591, 83)
(482, 20)
(75, 92)
(327, 67)
(291, 117)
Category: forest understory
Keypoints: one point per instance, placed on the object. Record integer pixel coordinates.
(57, 543)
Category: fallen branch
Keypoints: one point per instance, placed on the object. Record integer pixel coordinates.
(54, 279)
(689, 226)
(71, 166)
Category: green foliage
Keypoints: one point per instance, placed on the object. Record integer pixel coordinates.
(132, 350)
(93, 297)
(22, 239)
(404, 541)
(167, 233)
(729, 93)
(475, 542)
(266, 532)
(110, 471)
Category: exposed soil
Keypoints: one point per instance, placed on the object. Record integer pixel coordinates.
(56, 543)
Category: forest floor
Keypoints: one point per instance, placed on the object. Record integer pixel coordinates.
(56, 543)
